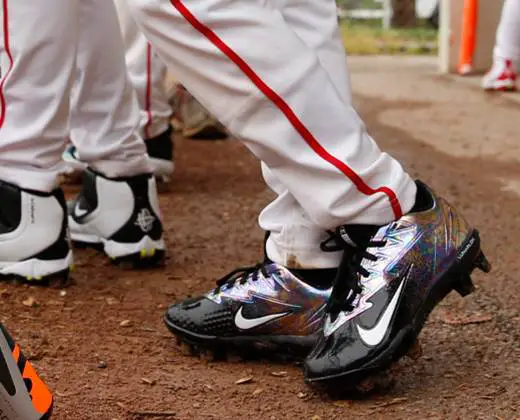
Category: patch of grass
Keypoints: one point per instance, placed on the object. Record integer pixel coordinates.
(368, 37)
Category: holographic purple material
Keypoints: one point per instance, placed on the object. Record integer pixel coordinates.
(279, 291)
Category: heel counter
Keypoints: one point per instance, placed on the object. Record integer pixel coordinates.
(145, 219)
(61, 247)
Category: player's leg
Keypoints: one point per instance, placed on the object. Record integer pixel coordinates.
(244, 62)
(23, 395)
(316, 23)
(506, 54)
(117, 208)
(34, 90)
(147, 74)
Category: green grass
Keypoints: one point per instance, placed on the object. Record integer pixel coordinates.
(363, 38)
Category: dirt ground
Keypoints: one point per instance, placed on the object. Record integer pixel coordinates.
(103, 349)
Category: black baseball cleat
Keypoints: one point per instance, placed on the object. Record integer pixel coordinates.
(387, 286)
(160, 150)
(121, 217)
(263, 309)
(34, 246)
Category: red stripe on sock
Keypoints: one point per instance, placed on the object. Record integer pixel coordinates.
(7, 49)
(280, 103)
(148, 99)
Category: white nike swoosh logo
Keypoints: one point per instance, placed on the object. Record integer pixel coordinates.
(246, 324)
(78, 211)
(375, 335)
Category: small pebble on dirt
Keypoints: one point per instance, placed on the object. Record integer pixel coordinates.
(148, 381)
(245, 380)
(102, 364)
(125, 323)
(30, 302)
(279, 374)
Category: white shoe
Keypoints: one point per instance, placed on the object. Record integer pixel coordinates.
(119, 216)
(33, 235)
(501, 77)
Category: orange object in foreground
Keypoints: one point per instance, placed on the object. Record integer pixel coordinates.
(23, 395)
(468, 36)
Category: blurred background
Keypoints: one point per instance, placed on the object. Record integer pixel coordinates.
(390, 26)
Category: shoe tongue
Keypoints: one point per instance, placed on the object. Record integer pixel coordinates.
(357, 236)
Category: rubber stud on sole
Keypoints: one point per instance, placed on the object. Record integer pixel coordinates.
(464, 286)
(482, 263)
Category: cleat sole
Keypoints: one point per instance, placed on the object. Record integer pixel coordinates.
(144, 259)
(56, 280)
(279, 348)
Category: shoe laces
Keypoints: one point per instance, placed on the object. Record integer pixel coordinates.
(241, 276)
(347, 285)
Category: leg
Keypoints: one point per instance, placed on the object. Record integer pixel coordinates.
(508, 32)
(506, 54)
(147, 73)
(283, 104)
(316, 23)
(251, 92)
(37, 72)
(104, 112)
(292, 231)
(117, 209)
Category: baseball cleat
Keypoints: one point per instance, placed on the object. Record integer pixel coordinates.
(192, 119)
(160, 150)
(121, 217)
(23, 395)
(265, 308)
(501, 77)
(73, 168)
(388, 285)
(34, 246)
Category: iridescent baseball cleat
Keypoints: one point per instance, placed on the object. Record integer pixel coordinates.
(387, 287)
(265, 307)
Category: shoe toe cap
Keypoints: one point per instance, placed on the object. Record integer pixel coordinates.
(200, 316)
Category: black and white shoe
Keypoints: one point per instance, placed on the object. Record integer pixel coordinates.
(33, 235)
(119, 216)
(160, 150)
(265, 307)
(387, 285)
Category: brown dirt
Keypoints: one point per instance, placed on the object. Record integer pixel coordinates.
(469, 369)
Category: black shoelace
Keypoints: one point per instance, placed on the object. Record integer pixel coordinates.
(346, 285)
(241, 276)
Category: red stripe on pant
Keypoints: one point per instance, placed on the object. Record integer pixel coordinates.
(279, 102)
(148, 99)
(7, 49)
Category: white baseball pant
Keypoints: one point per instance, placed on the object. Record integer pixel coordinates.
(269, 70)
(147, 73)
(508, 33)
(38, 62)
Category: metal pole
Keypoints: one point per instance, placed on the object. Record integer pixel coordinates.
(387, 15)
